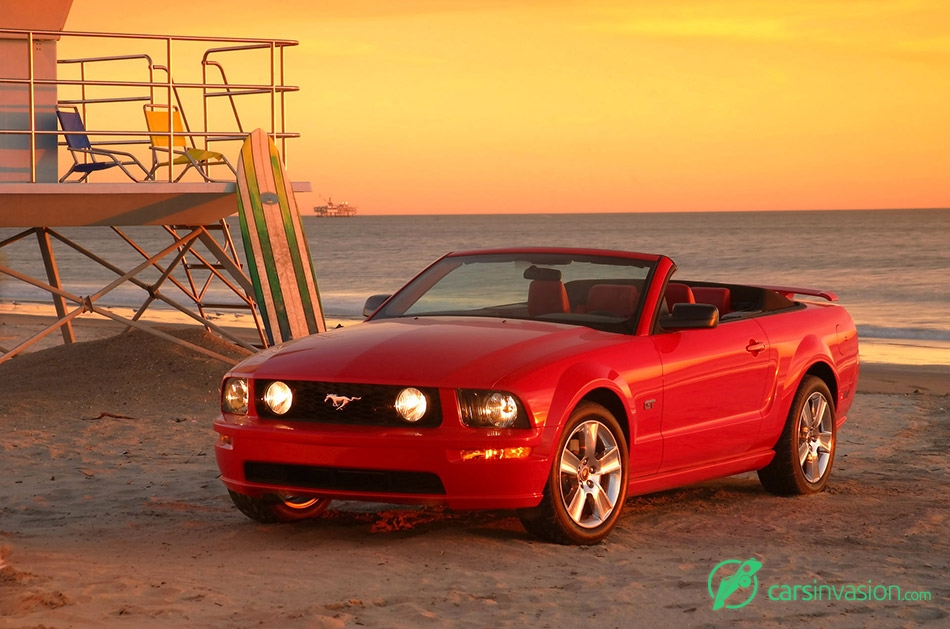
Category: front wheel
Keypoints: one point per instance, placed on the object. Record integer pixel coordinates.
(587, 485)
(280, 507)
(806, 450)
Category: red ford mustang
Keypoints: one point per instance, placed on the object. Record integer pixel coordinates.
(551, 381)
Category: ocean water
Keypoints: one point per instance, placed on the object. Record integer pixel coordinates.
(889, 268)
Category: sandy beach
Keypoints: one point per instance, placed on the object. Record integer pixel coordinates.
(111, 514)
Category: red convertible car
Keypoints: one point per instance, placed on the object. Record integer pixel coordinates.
(551, 381)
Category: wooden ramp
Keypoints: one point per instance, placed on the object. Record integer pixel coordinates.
(278, 260)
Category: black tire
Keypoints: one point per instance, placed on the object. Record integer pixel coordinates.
(805, 452)
(285, 508)
(587, 485)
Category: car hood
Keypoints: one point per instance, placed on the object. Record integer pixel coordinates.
(425, 351)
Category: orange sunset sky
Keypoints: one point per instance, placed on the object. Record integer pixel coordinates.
(439, 106)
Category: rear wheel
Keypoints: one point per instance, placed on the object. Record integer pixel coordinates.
(283, 507)
(806, 450)
(587, 485)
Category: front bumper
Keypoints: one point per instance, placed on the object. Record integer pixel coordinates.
(397, 465)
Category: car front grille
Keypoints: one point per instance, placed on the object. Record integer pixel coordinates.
(347, 403)
(340, 479)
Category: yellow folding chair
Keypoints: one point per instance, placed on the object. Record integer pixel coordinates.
(156, 118)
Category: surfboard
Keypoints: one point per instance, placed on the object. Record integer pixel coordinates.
(278, 260)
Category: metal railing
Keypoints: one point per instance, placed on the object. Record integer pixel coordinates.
(153, 81)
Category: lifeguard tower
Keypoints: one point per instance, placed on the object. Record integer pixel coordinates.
(137, 141)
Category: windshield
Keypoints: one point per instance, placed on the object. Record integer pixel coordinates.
(583, 289)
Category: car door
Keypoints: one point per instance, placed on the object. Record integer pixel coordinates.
(716, 386)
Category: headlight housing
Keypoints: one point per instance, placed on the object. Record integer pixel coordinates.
(234, 396)
(491, 409)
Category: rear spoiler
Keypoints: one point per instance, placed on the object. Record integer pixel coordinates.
(789, 292)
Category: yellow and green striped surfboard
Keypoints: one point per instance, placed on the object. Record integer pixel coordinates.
(278, 259)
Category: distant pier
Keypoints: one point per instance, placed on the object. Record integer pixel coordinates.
(333, 210)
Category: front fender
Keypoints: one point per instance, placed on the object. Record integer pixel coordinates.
(633, 396)
(578, 381)
(551, 397)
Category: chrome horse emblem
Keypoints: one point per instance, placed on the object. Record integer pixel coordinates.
(340, 401)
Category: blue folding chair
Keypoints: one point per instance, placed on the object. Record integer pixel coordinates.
(87, 158)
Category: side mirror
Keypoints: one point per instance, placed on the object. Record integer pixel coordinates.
(691, 317)
(373, 303)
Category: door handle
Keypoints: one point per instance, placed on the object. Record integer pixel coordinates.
(754, 347)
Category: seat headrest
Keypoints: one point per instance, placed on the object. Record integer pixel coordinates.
(546, 297)
(679, 294)
(542, 273)
(718, 296)
(618, 299)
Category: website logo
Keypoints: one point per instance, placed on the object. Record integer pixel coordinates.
(733, 577)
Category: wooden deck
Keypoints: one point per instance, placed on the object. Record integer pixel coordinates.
(118, 204)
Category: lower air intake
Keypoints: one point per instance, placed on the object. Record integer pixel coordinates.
(340, 479)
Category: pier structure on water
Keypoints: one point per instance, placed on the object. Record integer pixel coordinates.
(335, 210)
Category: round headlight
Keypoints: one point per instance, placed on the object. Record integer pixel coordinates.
(411, 404)
(278, 397)
(234, 396)
(501, 409)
